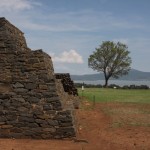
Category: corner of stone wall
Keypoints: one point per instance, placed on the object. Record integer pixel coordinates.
(30, 106)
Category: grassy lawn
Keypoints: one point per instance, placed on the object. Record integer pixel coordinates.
(133, 111)
(115, 95)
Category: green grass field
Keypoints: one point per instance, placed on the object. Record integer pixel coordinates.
(133, 111)
(115, 95)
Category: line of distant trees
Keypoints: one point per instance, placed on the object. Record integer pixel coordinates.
(114, 86)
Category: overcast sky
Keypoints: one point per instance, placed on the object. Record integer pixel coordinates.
(70, 30)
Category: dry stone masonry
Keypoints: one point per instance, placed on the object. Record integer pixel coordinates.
(67, 90)
(67, 83)
(30, 105)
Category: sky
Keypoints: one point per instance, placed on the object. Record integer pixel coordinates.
(70, 30)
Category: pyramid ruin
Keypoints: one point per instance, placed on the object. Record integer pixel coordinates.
(31, 105)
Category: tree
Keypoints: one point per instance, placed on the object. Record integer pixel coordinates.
(112, 59)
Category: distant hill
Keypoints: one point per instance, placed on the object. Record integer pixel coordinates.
(133, 75)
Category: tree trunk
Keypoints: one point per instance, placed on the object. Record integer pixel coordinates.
(106, 79)
(106, 82)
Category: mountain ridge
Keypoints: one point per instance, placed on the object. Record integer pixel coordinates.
(132, 75)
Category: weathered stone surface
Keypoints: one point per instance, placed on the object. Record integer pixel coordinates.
(4, 96)
(30, 106)
(2, 123)
(11, 117)
(33, 100)
(51, 130)
(21, 100)
(30, 86)
(52, 122)
(16, 130)
(6, 126)
(21, 90)
(26, 119)
(65, 132)
(44, 116)
(47, 107)
(67, 83)
(32, 125)
(40, 121)
(23, 109)
(2, 119)
(18, 85)
(43, 87)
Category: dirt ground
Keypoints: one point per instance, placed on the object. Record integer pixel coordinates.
(103, 126)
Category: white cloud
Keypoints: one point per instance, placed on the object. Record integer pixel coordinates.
(68, 57)
(16, 5)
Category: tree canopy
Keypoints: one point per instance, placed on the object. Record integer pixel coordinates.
(112, 59)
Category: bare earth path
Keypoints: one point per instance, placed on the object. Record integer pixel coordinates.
(96, 131)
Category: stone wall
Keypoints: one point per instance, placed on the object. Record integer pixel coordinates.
(67, 91)
(11, 37)
(30, 106)
(67, 83)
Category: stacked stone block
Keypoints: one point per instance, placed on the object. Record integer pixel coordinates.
(30, 106)
(67, 90)
(67, 83)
